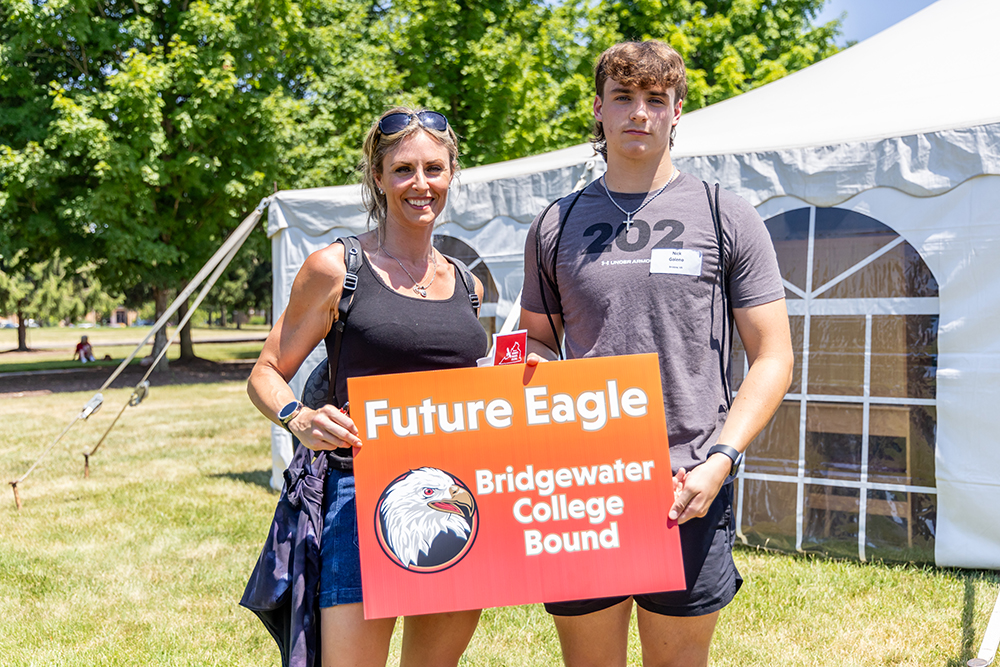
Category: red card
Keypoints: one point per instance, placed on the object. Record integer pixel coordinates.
(506, 485)
(510, 348)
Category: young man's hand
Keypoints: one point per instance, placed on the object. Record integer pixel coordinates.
(695, 491)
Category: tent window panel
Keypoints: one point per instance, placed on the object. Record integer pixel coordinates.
(831, 524)
(833, 440)
(797, 326)
(899, 273)
(904, 356)
(921, 356)
(769, 514)
(837, 355)
(844, 238)
(738, 363)
(901, 526)
(790, 235)
(901, 444)
(889, 356)
(776, 450)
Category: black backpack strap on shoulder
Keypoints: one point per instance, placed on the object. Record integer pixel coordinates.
(352, 261)
(542, 275)
(469, 280)
(727, 317)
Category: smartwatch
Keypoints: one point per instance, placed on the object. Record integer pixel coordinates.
(287, 414)
(735, 456)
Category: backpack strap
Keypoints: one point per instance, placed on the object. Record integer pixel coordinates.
(352, 260)
(542, 275)
(468, 279)
(724, 267)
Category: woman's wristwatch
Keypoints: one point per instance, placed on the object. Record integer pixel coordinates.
(734, 455)
(287, 414)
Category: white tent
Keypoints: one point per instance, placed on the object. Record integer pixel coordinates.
(878, 172)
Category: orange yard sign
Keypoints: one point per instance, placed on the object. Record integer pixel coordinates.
(487, 487)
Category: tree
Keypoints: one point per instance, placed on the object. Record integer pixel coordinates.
(159, 125)
(49, 290)
(511, 75)
(135, 134)
(730, 46)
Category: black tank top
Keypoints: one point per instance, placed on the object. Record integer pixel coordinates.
(389, 332)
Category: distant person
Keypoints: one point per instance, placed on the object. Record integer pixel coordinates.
(412, 312)
(632, 265)
(83, 351)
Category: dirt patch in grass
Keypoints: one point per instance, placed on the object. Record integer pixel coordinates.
(195, 371)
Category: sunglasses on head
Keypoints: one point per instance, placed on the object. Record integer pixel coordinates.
(397, 122)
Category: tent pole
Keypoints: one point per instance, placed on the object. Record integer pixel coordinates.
(991, 640)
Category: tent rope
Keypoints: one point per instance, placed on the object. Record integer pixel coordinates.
(142, 388)
(226, 250)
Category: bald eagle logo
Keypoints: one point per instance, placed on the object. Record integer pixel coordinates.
(426, 520)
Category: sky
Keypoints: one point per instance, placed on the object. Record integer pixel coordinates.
(868, 17)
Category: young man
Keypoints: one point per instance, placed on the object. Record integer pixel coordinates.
(636, 268)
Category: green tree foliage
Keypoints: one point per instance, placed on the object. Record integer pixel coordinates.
(49, 291)
(730, 46)
(134, 134)
(513, 76)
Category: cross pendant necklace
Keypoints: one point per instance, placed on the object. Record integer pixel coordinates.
(628, 214)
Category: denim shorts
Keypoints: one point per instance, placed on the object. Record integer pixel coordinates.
(340, 576)
(709, 570)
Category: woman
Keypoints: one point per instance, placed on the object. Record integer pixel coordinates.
(404, 286)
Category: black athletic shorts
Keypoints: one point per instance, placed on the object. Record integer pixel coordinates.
(711, 575)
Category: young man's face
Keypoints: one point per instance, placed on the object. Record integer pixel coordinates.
(637, 121)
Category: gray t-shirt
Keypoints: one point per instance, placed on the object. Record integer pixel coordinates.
(656, 289)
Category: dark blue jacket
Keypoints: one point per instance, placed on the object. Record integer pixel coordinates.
(284, 587)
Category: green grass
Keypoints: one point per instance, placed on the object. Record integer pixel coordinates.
(62, 359)
(143, 563)
(46, 337)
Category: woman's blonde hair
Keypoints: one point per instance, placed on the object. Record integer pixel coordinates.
(377, 145)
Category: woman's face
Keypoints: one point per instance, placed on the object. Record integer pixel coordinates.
(415, 177)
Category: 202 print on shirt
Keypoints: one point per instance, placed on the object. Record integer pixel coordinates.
(603, 231)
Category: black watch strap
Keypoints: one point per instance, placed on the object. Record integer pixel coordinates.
(734, 455)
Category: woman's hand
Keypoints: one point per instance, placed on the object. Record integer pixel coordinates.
(324, 429)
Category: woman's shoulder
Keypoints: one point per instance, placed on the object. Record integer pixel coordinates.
(326, 263)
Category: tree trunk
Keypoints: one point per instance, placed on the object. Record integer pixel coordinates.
(187, 347)
(222, 316)
(160, 341)
(22, 330)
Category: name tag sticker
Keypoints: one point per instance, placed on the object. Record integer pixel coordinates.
(679, 261)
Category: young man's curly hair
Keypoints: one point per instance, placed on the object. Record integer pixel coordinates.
(646, 64)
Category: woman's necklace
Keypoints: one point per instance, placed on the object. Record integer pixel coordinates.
(418, 288)
(629, 214)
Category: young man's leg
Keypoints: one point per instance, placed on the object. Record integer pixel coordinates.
(596, 639)
(675, 641)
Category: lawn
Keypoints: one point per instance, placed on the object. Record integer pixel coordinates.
(62, 337)
(53, 346)
(143, 563)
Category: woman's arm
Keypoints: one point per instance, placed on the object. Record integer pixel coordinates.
(311, 311)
